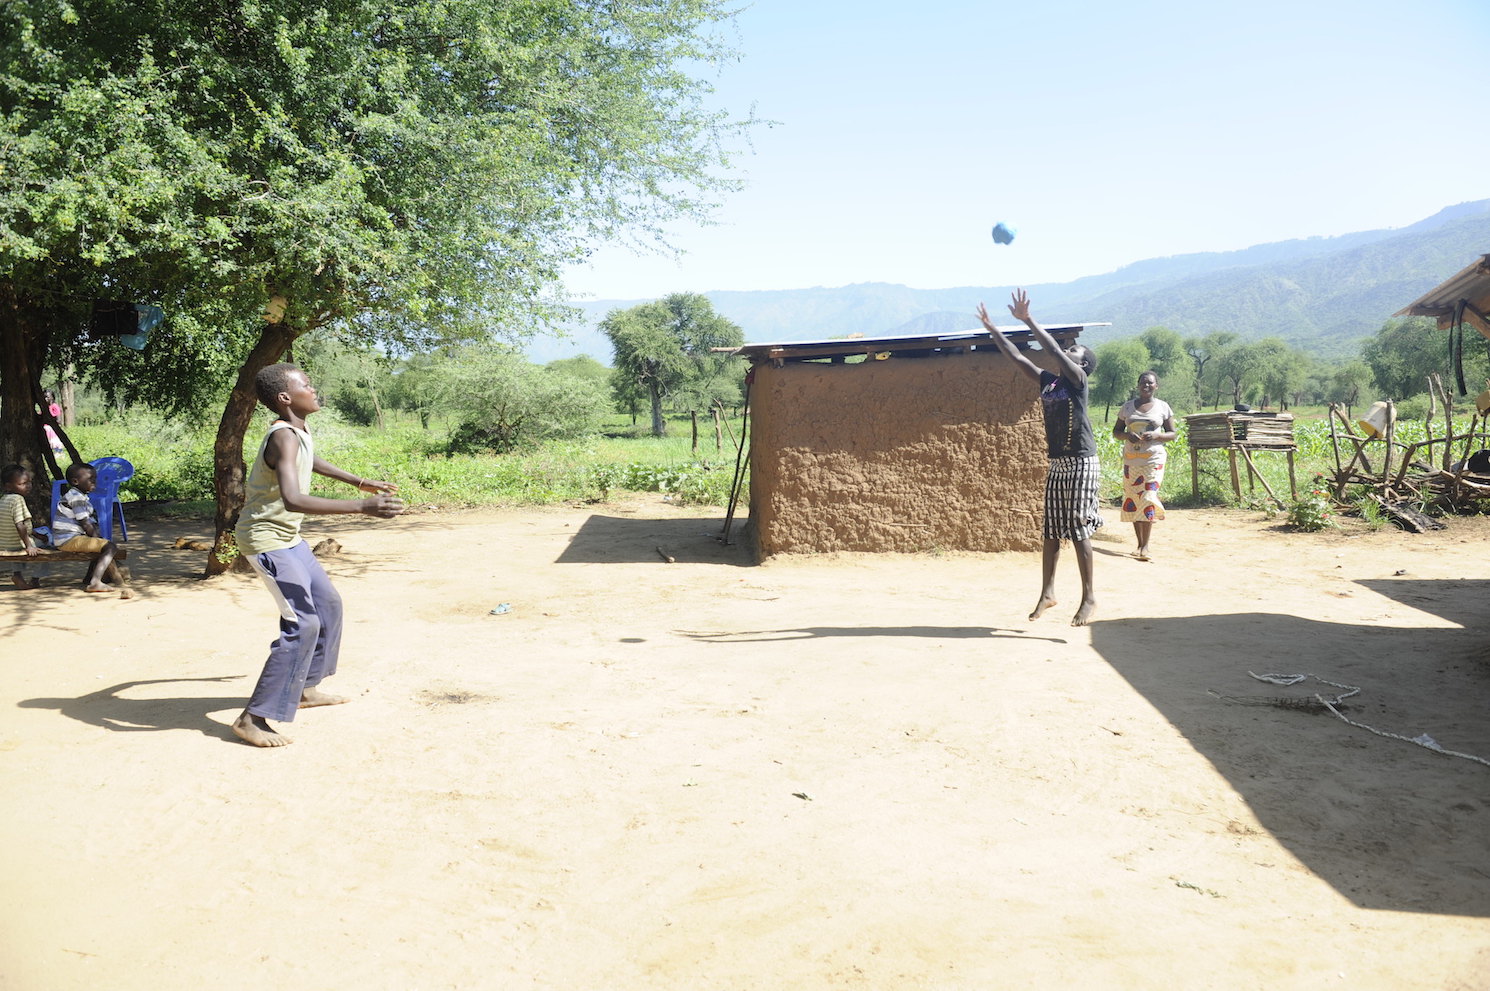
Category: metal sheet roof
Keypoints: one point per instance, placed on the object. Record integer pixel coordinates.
(827, 347)
(1472, 284)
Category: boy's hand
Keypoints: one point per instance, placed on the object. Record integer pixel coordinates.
(382, 505)
(32, 550)
(373, 485)
(1021, 306)
(987, 323)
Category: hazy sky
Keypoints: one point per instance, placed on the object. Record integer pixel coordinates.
(1104, 132)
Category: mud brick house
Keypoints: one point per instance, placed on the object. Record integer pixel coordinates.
(908, 444)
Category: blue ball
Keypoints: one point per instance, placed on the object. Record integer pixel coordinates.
(1003, 233)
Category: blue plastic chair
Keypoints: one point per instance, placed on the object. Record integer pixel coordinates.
(58, 487)
(112, 472)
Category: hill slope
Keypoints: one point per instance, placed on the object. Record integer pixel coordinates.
(1319, 294)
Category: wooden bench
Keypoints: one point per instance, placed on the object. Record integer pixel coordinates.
(47, 555)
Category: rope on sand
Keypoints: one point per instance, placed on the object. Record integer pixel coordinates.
(1318, 701)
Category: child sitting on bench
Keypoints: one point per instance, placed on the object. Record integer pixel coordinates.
(74, 529)
(15, 524)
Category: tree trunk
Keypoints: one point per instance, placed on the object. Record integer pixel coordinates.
(377, 406)
(227, 449)
(67, 398)
(24, 334)
(659, 426)
(693, 423)
(718, 435)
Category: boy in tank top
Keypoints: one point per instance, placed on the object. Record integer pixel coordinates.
(277, 497)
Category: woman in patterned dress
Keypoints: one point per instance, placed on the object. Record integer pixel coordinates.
(1144, 425)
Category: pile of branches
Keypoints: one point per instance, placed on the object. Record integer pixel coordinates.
(1408, 476)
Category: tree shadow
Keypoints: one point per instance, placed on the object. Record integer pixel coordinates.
(1389, 825)
(628, 540)
(108, 709)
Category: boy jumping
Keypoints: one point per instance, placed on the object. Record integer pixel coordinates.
(1072, 510)
(268, 535)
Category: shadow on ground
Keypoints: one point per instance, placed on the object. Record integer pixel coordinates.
(620, 539)
(816, 632)
(111, 709)
(1390, 825)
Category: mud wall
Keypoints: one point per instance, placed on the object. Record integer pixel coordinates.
(906, 454)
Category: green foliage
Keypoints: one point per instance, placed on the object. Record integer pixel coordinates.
(501, 402)
(699, 483)
(1349, 384)
(1167, 357)
(1314, 510)
(349, 377)
(582, 367)
(664, 348)
(412, 386)
(1205, 353)
(406, 173)
(1119, 363)
(1369, 509)
(1172, 363)
(1406, 351)
(171, 461)
(174, 462)
(1246, 367)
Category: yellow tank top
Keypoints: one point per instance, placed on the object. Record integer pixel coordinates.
(265, 524)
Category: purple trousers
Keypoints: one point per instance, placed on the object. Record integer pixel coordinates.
(309, 630)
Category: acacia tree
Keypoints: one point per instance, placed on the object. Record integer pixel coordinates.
(436, 159)
(1167, 355)
(1119, 363)
(1203, 352)
(666, 344)
(1286, 376)
(1347, 384)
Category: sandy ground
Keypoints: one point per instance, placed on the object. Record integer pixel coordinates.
(833, 772)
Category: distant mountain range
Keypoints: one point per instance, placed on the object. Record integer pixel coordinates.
(1320, 294)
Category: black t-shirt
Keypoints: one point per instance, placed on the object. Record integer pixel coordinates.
(1068, 429)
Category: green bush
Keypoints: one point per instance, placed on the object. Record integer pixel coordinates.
(1314, 511)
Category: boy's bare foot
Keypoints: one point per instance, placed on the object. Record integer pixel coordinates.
(254, 730)
(1045, 603)
(21, 582)
(99, 587)
(1084, 614)
(312, 697)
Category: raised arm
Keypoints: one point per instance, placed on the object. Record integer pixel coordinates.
(1020, 307)
(1007, 347)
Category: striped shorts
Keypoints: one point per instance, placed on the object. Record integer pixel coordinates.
(1072, 510)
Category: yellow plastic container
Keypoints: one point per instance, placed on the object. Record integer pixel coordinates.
(1374, 423)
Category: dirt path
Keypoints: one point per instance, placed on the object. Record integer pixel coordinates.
(845, 772)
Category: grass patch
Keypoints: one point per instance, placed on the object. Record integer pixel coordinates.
(174, 463)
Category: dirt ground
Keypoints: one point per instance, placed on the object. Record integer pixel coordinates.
(827, 772)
